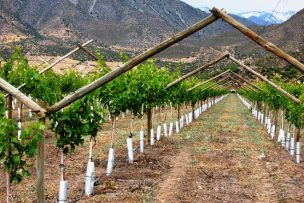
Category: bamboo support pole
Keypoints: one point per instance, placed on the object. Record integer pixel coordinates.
(131, 63)
(258, 39)
(63, 57)
(87, 51)
(213, 78)
(246, 81)
(58, 60)
(218, 83)
(197, 70)
(291, 97)
(223, 86)
(22, 97)
(249, 88)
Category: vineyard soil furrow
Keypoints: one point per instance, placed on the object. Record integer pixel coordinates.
(233, 160)
(224, 156)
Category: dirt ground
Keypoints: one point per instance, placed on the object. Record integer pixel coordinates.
(225, 156)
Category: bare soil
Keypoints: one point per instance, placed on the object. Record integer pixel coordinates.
(216, 159)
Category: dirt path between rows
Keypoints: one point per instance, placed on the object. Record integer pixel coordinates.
(231, 159)
(167, 188)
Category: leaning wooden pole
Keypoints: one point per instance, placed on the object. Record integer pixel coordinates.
(291, 97)
(249, 88)
(184, 77)
(218, 83)
(221, 86)
(258, 39)
(213, 78)
(22, 97)
(246, 81)
(131, 63)
(58, 60)
(87, 51)
(63, 57)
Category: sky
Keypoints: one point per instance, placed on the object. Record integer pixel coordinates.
(238, 6)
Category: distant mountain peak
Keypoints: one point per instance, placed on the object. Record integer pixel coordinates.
(267, 18)
(205, 9)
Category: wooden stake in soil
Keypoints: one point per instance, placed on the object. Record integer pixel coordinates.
(8, 178)
(131, 125)
(276, 120)
(113, 131)
(178, 112)
(149, 124)
(142, 117)
(40, 166)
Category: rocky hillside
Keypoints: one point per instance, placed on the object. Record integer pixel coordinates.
(133, 24)
(290, 34)
(11, 28)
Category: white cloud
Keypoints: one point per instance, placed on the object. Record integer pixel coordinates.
(234, 6)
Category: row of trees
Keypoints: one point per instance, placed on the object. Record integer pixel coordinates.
(144, 86)
(282, 116)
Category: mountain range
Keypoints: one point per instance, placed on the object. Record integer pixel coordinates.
(131, 24)
(43, 26)
(267, 18)
(262, 18)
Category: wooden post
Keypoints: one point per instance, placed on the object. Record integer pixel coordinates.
(276, 121)
(178, 112)
(131, 63)
(298, 134)
(40, 167)
(40, 163)
(258, 39)
(291, 97)
(193, 106)
(149, 123)
(197, 70)
(8, 178)
(264, 113)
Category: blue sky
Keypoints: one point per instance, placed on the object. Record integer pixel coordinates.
(237, 6)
